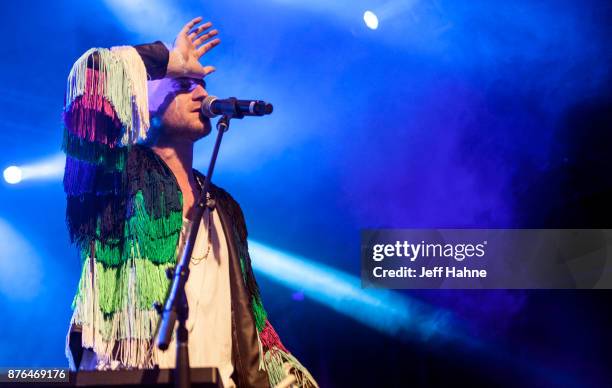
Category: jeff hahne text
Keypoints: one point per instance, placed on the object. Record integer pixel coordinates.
(415, 253)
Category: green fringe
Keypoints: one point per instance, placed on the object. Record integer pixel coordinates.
(94, 152)
(109, 254)
(112, 287)
(259, 312)
(132, 317)
(82, 279)
(150, 282)
(242, 269)
(155, 239)
(145, 237)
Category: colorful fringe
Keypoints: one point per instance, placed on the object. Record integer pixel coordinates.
(279, 363)
(98, 196)
(125, 333)
(118, 76)
(97, 153)
(155, 239)
(128, 275)
(92, 118)
(81, 177)
(106, 107)
(124, 225)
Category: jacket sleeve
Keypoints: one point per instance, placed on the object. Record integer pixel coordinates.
(155, 57)
(105, 112)
(275, 359)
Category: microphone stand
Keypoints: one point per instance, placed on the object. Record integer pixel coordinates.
(176, 306)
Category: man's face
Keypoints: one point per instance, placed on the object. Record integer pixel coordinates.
(178, 102)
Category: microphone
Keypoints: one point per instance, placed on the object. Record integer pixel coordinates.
(213, 106)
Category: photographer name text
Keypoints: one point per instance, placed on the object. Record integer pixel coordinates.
(424, 272)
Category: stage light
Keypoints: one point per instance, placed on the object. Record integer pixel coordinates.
(49, 168)
(13, 175)
(370, 19)
(383, 310)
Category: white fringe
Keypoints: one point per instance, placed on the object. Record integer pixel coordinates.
(281, 365)
(137, 74)
(122, 81)
(126, 338)
(261, 352)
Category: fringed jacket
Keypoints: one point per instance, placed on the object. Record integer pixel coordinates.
(124, 213)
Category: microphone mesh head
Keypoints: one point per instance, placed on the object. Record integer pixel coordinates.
(207, 106)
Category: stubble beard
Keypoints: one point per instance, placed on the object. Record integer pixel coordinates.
(189, 130)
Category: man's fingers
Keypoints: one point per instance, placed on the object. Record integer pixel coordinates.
(193, 33)
(206, 47)
(195, 37)
(201, 71)
(203, 38)
(190, 25)
(208, 70)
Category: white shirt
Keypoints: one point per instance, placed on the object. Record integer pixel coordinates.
(208, 295)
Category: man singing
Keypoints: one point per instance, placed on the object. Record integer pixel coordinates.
(131, 116)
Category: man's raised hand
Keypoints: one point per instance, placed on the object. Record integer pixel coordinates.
(191, 43)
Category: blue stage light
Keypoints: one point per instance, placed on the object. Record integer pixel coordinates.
(384, 310)
(13, 175)
(370, 19)
(46, 169)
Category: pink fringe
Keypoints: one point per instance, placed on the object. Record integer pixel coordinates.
(270, 339)
(91, 116)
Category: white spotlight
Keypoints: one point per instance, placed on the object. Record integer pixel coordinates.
(381, 309)
(370, 19)
(12, 175)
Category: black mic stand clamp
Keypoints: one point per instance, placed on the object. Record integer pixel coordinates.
(176, 307)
